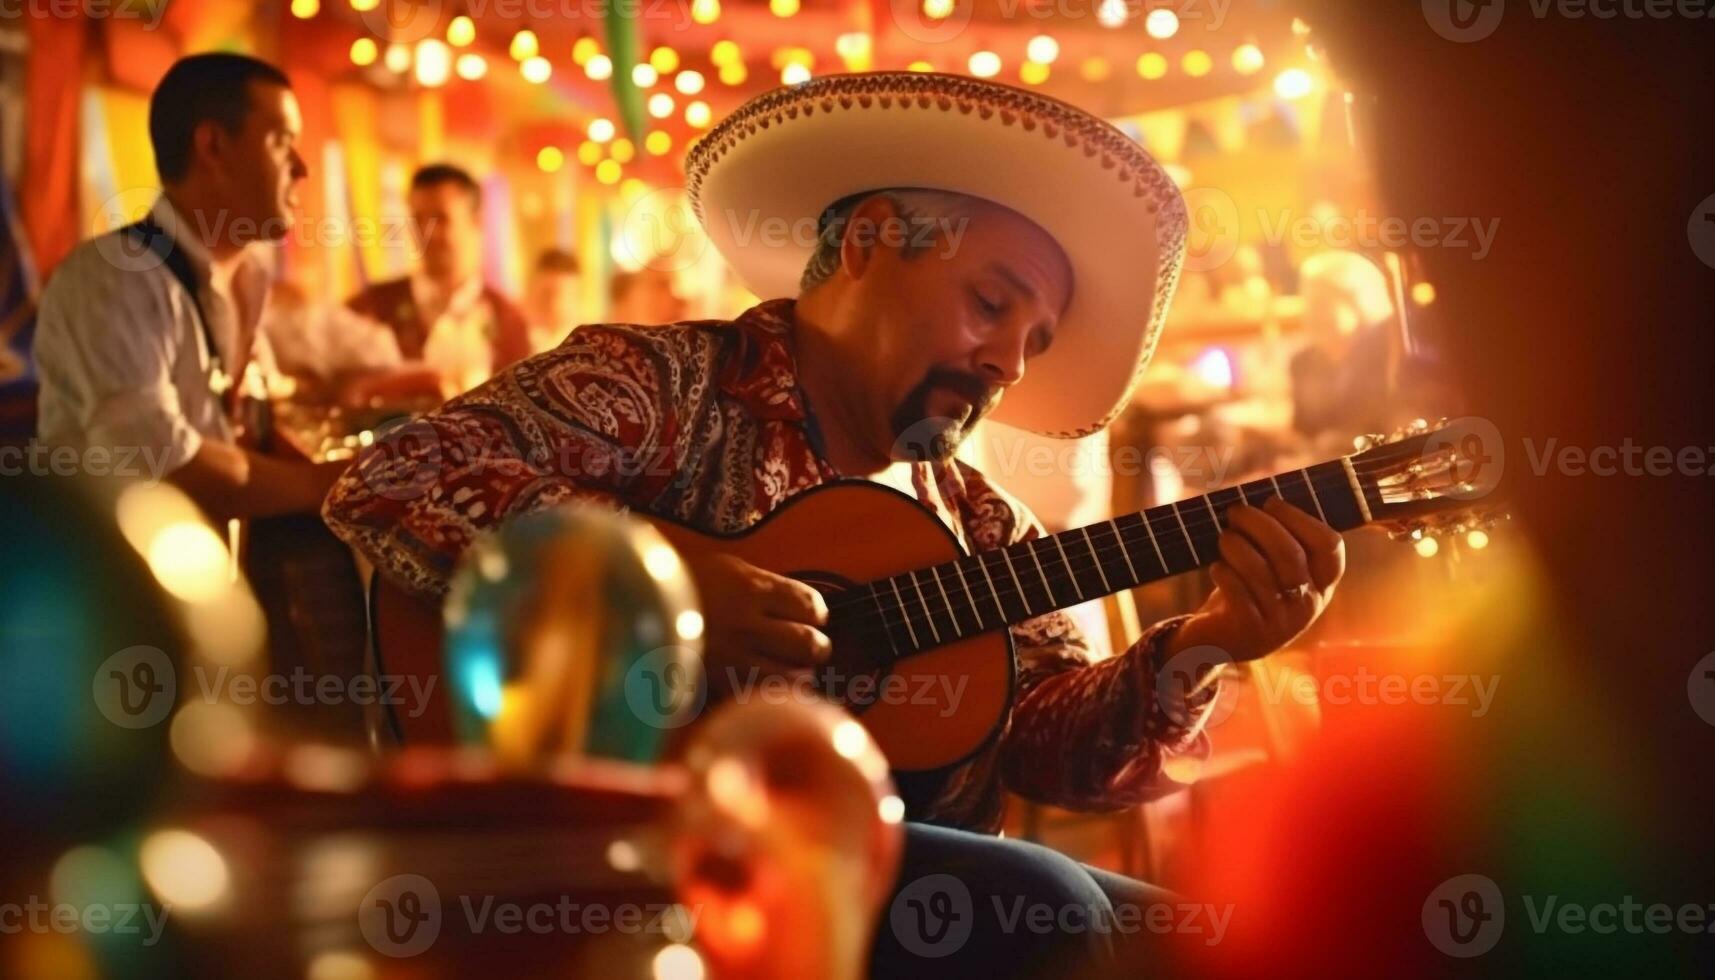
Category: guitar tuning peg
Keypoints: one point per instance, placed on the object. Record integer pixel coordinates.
(1369, 440)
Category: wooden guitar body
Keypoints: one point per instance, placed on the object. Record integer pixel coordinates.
(926, 710)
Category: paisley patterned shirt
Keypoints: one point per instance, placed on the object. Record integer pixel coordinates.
(703, 422)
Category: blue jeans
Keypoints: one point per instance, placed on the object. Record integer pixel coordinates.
(971, 905)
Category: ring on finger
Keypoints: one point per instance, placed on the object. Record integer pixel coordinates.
(1299, 591)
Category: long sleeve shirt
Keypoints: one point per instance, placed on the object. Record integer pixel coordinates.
(703, 422)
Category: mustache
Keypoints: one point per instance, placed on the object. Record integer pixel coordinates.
(982, 396)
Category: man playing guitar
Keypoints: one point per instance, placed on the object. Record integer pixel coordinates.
(977, 249)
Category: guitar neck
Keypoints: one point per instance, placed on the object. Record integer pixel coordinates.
(991, 589)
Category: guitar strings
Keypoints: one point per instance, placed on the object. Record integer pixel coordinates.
(913, 608)
(1168, 527)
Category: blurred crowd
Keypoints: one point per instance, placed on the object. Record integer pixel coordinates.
(442, 329)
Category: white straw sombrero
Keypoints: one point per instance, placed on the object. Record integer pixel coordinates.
(788, 154)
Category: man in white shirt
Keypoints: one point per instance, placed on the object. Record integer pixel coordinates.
(147, 335)
(454, 331)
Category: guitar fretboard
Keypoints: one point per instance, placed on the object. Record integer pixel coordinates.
(932, 606)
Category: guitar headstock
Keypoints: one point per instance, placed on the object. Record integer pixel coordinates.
(1430, 480)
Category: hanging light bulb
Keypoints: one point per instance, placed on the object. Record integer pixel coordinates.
(461, 32)
(472, 66)
(984, 64)
(1042, 49)
(599, 68)
(688, 82)
(524, 45)
(364, 51)
(601, 130)
(661, 105)
(434, 62)
(1112, 13)
(536, 70)
(1161, 24)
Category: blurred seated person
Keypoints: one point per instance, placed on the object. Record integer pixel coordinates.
(645, 296)
(453, 330)
(551, 302)
(1344, 378)
(321, 346)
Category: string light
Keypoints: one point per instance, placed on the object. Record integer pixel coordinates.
(1197, 63)
(1094, 69)
(688, 82)
(1478, 539)
(536, 70)
(589, 152)
(524, 45)
(734, 73)
(697, 114)
(1113, 13)
(657, 143)
(622, 150)
(305, 9)
(550, 159)
(583, 49)
(472, 66)
(920, 66)
(984, 64)
(397, 59)
(1042, 49)
(724, 52)
(940, 9)
(1293, 83)
(794, 74)
(1161, 24)
(461, 32)
(1422, 293)
(364, 6)
(364, 51)
(705, 11)
(1033, 73)
(644, 75)
(1247, 59)
(434, 62)
(599, 68)
(601, 130)
(661, 105)
(664, 59)
(783, 8)
(608, 171)
(1152, 66)
(1427, 546)
(855, 49)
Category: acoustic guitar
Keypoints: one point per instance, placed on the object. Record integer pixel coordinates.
(921, 650)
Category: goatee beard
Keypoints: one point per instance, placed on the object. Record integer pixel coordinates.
(925, 438)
